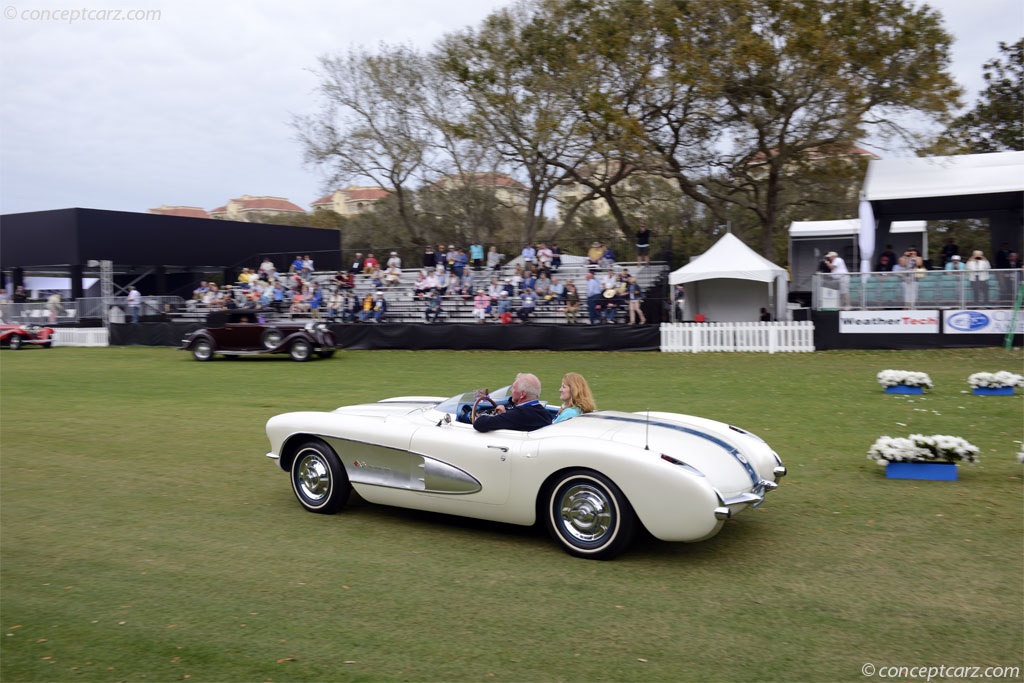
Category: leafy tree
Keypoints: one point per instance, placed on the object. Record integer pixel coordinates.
(996, 123)
(371, 124)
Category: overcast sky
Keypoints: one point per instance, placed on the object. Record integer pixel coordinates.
(189, 102)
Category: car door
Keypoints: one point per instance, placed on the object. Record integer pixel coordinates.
(487, 457)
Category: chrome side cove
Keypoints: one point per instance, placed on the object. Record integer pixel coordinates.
(394, 468)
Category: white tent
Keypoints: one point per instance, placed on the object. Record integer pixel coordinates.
(730, 282)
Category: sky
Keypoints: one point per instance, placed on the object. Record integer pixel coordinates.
(136, 104)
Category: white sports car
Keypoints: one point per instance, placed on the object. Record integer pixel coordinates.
(593, 479)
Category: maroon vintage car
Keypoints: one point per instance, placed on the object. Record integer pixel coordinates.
(248, 333)
(16, 336)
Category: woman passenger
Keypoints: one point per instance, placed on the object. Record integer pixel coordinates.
(576, 397)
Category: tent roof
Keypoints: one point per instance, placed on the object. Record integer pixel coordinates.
(729, 258)
(846, 228)
(965, 174)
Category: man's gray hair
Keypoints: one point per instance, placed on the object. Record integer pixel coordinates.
(528, 384)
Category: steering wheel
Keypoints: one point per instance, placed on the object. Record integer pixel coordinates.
(476, 404)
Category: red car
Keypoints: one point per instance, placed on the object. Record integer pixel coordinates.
(16, 336)
(238, 333)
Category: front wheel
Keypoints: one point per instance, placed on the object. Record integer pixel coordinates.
(300, 350)
(589, 516)
(14, 342)
(319, 479)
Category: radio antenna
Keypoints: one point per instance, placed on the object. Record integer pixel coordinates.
(647, 431)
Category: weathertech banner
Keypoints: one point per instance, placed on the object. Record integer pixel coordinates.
(981, 322)
(888, 322)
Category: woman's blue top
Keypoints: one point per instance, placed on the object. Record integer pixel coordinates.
(572, 411)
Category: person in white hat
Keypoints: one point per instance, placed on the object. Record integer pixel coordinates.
(955, 263)
(841, 274)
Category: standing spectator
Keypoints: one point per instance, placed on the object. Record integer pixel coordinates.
(643, 245)
(764, 316)
(394, 261)
(493, 259)
(593, 299)
(134, 303)
(634, 294)
(556, 257)
(370, 264)
(307, 267)
(841, 275)
(357, 264)
(267, 266)
(54, 307)
(450, 257)
(955, 263)
(440, 257)
(1006, 280)
(557, 292)
(679, 298)
(296, 266)
(476, 255)
(949, 250)
(977, 272)
(428, 258)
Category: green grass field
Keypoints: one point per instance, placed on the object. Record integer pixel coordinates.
(145, 537)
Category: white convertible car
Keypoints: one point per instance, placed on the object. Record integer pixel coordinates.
(593, 479)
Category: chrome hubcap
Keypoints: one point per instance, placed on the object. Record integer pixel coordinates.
(313, 477)
(586, 512)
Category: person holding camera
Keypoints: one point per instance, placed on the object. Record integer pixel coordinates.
(841, 274)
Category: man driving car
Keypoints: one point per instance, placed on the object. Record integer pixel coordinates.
(525, 412)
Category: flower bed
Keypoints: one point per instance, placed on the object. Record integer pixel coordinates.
(937, 448)
(994, 380)
(904, 378)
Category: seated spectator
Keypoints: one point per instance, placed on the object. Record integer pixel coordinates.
(607, 257)
(955, 263)
(307, 267)
(421, 288)
(572, 302)
(370, 264)
(610, 280)
(503, 307)
(376, 277)
(344, 280)
(350, 308)
(461, 264)
(316, 300)
(300, 304)
(494, 290)
(336, 305)
(481, 305)
(529, 254)
(542, 287)
(557, 292)
(434, 303)
(544, 257)
(556, 257)
(357, 265)
(380, 307)
(393, 276)
(296, 265)
(594, 255)
(428, 261)
(199, 293)
(527, 305)
(529, 281)
(366, 308)
(267, 266)
(394, 261)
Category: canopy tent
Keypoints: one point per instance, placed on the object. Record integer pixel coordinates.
(987, 186)
(809, 241)
(730, 282)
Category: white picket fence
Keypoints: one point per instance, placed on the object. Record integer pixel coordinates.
(775, 337)
(81, 336)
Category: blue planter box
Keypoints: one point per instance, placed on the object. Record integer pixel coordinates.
(993, 391)
(927, 471)
(903, 389)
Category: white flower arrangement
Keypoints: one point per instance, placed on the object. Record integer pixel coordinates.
(892, 378)
(921, 448)
(995, 380)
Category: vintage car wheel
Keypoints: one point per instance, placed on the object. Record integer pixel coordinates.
(300, 350)
(325, 354)
(589, 516)
(272, 337)
(319, 479)
(14, 343)
(202, 350)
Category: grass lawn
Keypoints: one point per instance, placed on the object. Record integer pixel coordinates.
(145, 537)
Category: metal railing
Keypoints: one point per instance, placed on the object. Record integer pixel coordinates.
(912, 289)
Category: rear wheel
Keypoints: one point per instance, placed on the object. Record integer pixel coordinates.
(318, 478)
(300, 350)
(272, 337)
(589, 516)
(14, 342)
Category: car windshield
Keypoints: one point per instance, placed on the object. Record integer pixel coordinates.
(452, 404)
